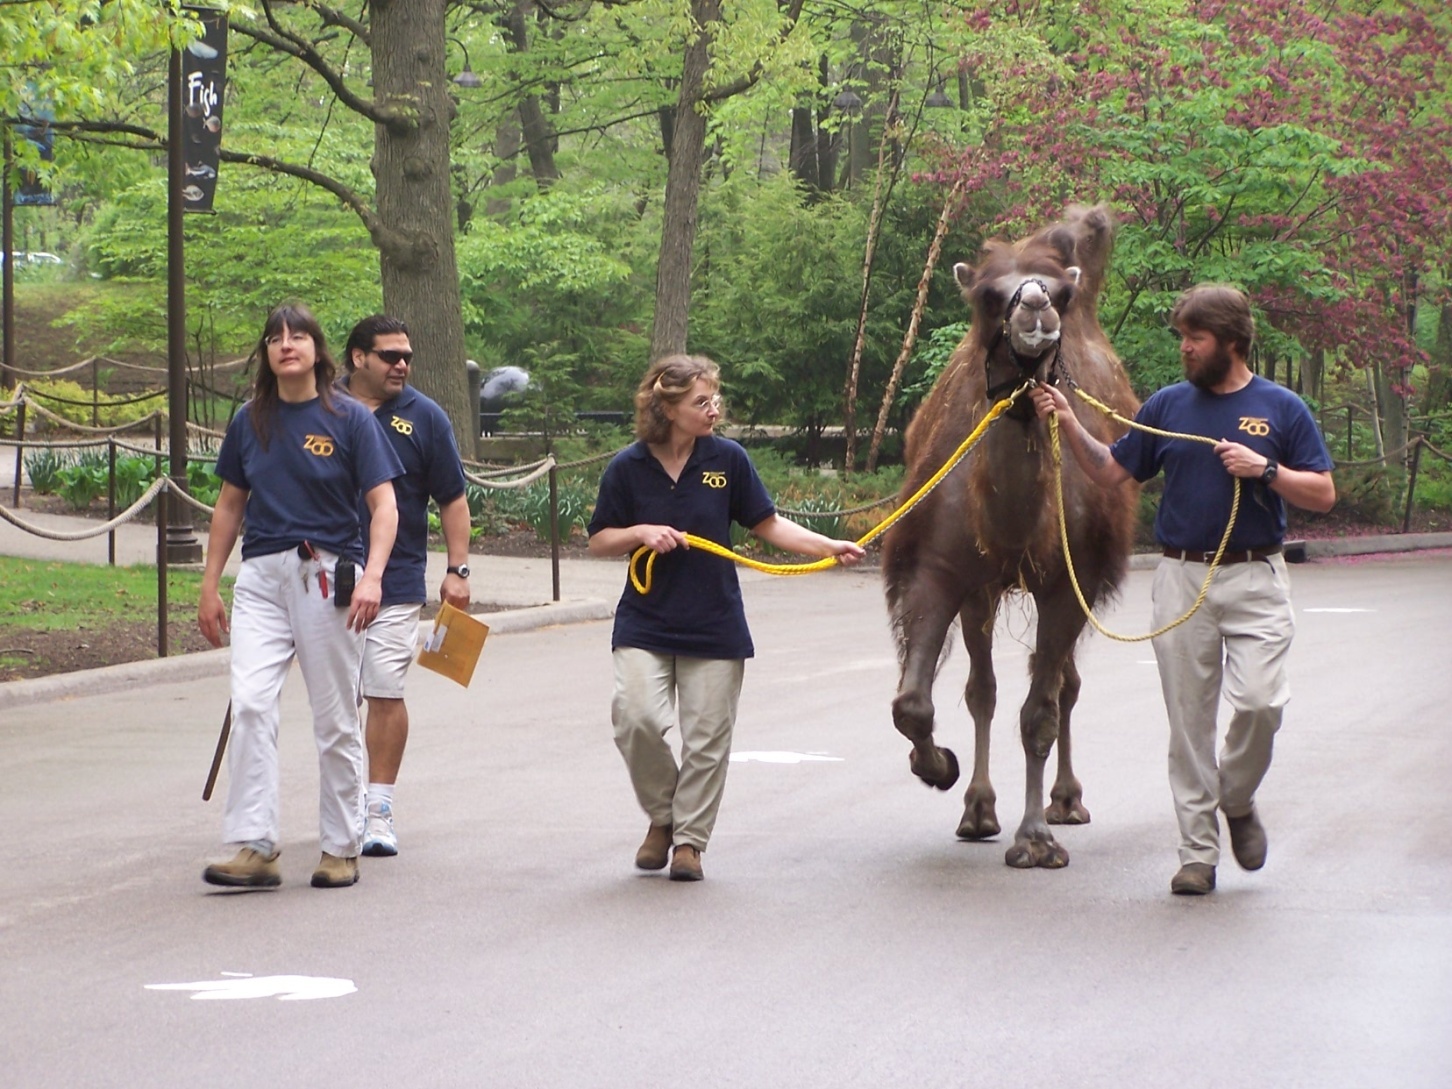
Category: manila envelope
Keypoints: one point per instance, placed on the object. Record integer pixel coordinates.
(452, 648)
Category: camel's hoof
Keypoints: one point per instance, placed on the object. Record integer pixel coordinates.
(1066, 811)
(946, 776)
(979, 821)
(1030, 853)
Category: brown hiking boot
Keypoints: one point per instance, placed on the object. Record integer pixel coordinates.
(655, 848)
(1194, 879)
(249, 869)
(686, 863)
(335, 873)
(1247, 840)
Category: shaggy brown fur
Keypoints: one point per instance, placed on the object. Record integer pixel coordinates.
(991, 526)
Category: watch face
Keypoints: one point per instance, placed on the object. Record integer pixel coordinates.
(462, 570)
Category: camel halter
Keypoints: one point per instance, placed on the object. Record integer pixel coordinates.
(1026, 367)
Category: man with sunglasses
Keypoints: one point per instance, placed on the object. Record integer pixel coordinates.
(377, 359)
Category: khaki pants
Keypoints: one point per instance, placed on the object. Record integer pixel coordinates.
(648, 689)
(1236, 646)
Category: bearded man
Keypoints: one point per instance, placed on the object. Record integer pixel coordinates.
(1236, 643)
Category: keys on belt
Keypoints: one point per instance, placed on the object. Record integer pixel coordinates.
(307, 552)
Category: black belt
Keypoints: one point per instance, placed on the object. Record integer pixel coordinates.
(1244, 555)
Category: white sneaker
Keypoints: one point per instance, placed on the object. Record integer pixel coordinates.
(379, 840)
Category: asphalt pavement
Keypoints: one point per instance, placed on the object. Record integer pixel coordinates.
(843, 937)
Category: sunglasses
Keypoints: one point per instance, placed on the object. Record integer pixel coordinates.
(394, 356)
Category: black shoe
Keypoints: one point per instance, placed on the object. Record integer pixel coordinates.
(1247, 840)
(1194, 879)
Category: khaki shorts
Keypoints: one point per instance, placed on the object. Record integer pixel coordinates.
(388, 650)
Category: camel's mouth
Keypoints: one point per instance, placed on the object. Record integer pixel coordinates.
(1037, 337)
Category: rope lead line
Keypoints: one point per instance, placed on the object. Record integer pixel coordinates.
(1064, 526)
(642, 584)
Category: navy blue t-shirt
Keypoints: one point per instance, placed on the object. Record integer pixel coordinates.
(305, 485)
(694, 606)
(421, 436)
(1262, 415)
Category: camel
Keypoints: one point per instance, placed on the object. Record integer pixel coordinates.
(990, 528)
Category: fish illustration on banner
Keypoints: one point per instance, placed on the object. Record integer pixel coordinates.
(204, 78)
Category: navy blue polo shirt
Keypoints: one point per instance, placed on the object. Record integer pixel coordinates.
(694, 606)
(420, 434)
(1270, 419)
(305, 484)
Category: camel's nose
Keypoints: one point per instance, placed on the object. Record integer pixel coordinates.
(1034, 297)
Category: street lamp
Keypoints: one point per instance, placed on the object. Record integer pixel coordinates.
(467, 78)
(938, 100)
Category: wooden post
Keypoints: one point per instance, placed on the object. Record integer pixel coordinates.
(555, 530)
(19, 449)
(1348, 432)
(161, 603)
(111, 499)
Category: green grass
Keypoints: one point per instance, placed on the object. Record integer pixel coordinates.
(43, 596)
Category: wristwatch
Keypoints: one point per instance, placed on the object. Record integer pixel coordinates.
(462, 570)
(1269, 473)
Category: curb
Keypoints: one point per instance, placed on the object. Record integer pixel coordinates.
(212, 663)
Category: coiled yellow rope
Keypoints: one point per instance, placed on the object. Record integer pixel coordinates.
(1064, 526)
(642, 585)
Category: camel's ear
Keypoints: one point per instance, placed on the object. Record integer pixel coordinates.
(964, 275)
(1074, 272)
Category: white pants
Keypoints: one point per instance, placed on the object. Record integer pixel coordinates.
(275, 618)
(648, 687)
(1235, 645)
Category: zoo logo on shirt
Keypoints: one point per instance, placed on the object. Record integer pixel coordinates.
(319, 445)
(1255, 425)
(713, 478)
(402, 426)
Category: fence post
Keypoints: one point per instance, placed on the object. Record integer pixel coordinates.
(555, 530)
(161, 602)
(95, 393)
(111, 499)
(19, 449)
(1348, 432)
(1412, 484)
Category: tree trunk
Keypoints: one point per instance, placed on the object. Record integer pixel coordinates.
(416, 210)
(683, 187)
(803, 159)
(539, 135)
(951, 207)
(1438, 391)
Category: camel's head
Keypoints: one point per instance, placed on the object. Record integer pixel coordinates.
(1019, 300)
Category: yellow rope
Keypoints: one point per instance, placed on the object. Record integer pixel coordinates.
(643, 585)
(1064, 525)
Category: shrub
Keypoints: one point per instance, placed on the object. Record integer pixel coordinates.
(55, 396)
(44, 469)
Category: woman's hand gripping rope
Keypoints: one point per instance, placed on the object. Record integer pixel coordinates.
(642, 584)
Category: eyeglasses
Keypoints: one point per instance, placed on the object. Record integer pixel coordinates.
(286, 335)
(394, 356)
(702, 404)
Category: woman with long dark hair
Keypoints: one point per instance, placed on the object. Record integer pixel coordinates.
(294, 462)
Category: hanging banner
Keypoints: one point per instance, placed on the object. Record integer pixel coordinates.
(35, 128)
(204, 78)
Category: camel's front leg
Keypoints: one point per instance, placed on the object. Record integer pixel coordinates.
(1066, 797)
(1059, 625)
(923, 615)
(980, 813)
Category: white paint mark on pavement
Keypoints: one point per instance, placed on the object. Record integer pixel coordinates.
(782, 757)
(283, 988)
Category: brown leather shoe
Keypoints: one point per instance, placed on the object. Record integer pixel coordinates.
(248, 869)
(1247, 840)
(335, 873)
(686, 863)
(655, 848)
(1194, 879)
